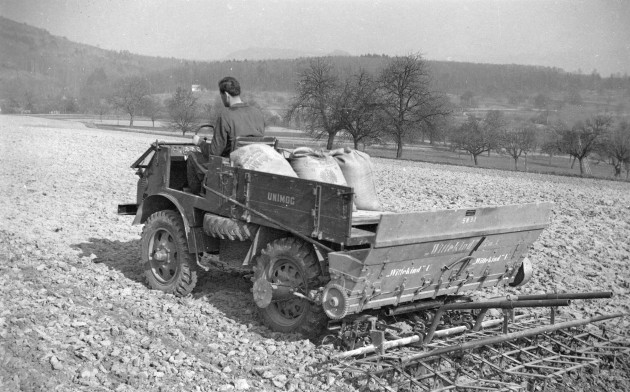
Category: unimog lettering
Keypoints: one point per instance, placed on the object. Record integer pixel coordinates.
(278, 198)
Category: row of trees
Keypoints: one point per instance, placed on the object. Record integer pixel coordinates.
(599, 137)
(396, 103)
(183, 109)
(477, 136)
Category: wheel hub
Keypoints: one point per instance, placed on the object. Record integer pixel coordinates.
(163, 252)
(287, 277)
(263, 292)
(161, 255)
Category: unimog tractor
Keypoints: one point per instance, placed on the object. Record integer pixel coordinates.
(319, 263)
(314, 258)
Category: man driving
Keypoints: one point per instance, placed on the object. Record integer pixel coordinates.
(237, 119)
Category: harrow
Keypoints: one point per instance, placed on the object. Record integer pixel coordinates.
(458, 348)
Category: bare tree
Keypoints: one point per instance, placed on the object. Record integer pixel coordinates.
(472, 138)
(583, 138)
(494, 124)
(102, 108)
(362, 116)
(129, 96)
(152, 108)
(469, 137)
(317, 101)
(437, 131)
(408, 103)
(183, 110)
(616, 147)
(518, 141)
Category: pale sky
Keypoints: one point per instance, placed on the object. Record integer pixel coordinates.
(570, 34)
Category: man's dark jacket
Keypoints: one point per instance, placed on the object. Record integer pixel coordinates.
(237, 120)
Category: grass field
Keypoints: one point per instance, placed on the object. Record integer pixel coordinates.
(534, 163)
(289, 138)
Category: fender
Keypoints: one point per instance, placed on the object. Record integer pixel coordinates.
(264, 235)
(197, 240)
(158, 202)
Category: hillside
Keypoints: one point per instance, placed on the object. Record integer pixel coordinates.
(35, 59)
(37, 68)
(277, 53)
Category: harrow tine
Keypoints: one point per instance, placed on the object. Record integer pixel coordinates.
(415, 339)
(534, 356)
(510, 336)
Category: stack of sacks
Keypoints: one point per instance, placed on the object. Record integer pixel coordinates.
(263, 158)
(313, 165)
(345, 167)
(358, 171)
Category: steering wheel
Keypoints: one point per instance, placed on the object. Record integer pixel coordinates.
(204, 126)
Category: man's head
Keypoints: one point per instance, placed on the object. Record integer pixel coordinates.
(229, 88)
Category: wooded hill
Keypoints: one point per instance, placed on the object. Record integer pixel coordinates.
(37, 64)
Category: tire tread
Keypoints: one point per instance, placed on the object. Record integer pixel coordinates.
(315, 320)
(187, 279)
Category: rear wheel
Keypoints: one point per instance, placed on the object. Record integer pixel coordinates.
(167, 264)
(291, 264)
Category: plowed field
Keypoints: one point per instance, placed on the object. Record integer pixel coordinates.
(75, 313)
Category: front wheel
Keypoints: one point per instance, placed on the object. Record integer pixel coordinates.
(291, 265)
(168, 266)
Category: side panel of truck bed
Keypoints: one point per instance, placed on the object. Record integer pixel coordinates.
(315, 209)
(427, 254)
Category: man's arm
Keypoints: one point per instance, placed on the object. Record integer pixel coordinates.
(219, 141)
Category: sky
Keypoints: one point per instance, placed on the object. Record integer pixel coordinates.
(575, 35)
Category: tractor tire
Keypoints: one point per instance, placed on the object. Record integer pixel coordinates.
(168, 266)
(292, 262)
(228, 228)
